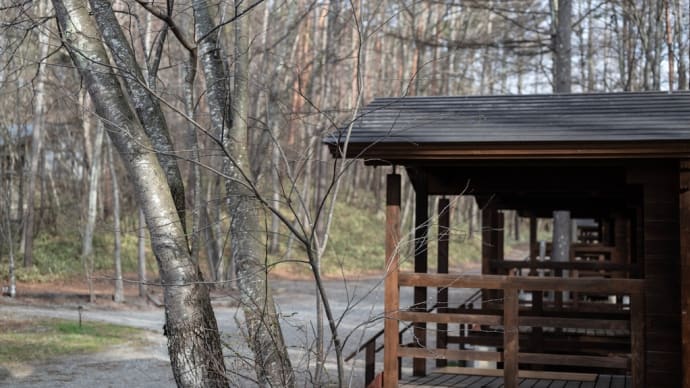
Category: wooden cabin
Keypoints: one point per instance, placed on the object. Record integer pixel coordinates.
(620, 159)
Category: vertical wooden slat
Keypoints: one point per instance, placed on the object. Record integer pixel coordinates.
(533, 247)
(510, 337)
(499, 235)
(489, 224)
(420, 265)
(487, 244)
(684, 205)
(392, 292)
(370, 363)
(637, 339)
(442, 267)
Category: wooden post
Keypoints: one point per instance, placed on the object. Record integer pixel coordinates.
(487, 243)
(499, 235)
(392, 292)
(637, 339)
(442, 267)
(370, 363)
(421, 220)
(511, 337)
(533, 247)
(684, 204)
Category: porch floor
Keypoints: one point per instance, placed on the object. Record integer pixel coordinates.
(436, 379)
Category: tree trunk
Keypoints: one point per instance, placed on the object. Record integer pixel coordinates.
(119, 293)
(272, 363)
(562, 47)
(141, 252)
(92, 204)
(7, 219)
(36, 141)
(193, 338)
(146, 106)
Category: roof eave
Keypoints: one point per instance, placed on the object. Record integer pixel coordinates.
(397, 153)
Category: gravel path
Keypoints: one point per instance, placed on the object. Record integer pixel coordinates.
(354, 304)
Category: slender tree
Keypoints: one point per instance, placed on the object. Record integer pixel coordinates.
(272, 363)
(193, 338)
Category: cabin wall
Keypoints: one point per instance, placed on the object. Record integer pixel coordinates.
(661, 269)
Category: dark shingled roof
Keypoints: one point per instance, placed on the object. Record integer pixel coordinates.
(522, 119)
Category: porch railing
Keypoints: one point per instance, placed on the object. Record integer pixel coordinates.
(507, 316)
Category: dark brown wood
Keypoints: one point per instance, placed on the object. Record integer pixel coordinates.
(533, 245)
(450, 354)
(409, 279)
(660, 253)
(391, 292)
(511, 337)
(442, 267)
(594, 285)
(570, 151)
(575, 323)
(684, 206)
(637, 340)
(613, 362)
(564, 265)
(421, 259)
(370, 363)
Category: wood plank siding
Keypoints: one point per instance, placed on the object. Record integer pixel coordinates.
(661, 272)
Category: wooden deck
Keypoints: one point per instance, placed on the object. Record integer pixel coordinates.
(474, 381)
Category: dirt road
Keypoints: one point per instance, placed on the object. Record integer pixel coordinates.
(356, 304)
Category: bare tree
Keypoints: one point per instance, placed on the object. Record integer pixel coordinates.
(193, 338)
(119, 292)
(36, 142)
(87, 253)
(272, 363)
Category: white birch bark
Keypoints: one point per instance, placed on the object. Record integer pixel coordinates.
(26, 245)
(141, 253)
(271, 359)
(119, 292)
(193, 338)
(91, 207)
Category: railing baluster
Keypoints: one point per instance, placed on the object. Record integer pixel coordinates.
(370, 363)
(511, 337)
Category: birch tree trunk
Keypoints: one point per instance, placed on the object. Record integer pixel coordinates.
(141, 252)
(92, 204)
(119, 293)
(26, 245)
(272, 363)
(193, 339)
(147, 108)
(562, 63)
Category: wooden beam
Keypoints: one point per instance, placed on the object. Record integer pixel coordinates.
(421, 258)
(565, 265)
(392, 292)
(389, 152)
(684, 205)
(637, 341)
(593, 285)
(442, 267)
(511, 337)
(614, 362)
